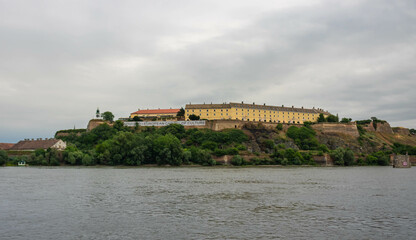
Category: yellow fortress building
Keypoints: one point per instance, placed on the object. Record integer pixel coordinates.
(252, 112)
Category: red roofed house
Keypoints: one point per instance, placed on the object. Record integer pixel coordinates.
(155, 113)
(6, 146)
(31, 145)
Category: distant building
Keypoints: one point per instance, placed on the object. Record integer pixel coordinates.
(253, 112)
(155, 113)
(31, 145)
(6, 146)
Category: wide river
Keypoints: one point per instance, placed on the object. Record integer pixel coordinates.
(207, 203)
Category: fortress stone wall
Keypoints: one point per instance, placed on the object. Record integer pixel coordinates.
(381, 127)
(343, 128)
(93, 123)
(401, 130)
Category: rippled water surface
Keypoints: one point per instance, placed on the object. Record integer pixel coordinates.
(207, 203)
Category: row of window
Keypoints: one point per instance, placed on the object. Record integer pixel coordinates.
(265, 116)
(247, 111)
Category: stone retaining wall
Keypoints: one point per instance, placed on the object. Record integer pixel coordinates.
(344, 128)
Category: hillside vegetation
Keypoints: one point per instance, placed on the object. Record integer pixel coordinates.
(253, 145)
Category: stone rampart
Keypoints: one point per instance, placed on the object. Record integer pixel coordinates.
(369, 127)
(343, 128)
(64, 134)
(383, 127)
(401, 161)
(324, 160)
(401, 130)
(93, 123)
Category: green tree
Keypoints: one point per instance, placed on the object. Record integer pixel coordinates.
(237, 160)
(177, 130)
(137, 119)
(168, 150)
(346, 120)
(181, 113)
(211, 145)
(108, 116)
(342, 157)
(332, 118)
(349, 157)
(193, 117)
(338, 156)
(321, 118)
(87, 160)
(304, 137)
(3, 157)
(200, 156)
(279, 126)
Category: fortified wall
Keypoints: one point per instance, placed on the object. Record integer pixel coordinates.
(381, 127)
(218, 125)
(401, 130)
(343, 128)
(400, 161)
(93, 123)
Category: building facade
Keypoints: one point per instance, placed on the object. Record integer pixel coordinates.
(155, 113)
(253, 112)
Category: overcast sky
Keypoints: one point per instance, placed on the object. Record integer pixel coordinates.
(60, 60)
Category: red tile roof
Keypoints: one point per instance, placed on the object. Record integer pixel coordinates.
(6, 146)
(35, 144)
(157, 111)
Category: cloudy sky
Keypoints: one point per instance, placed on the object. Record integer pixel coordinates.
(60, 60)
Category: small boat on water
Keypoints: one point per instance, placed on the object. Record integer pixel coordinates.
(21, 163)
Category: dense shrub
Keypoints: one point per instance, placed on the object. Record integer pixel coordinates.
(291, 157)
(193, 117)
(201, 156)
(304, 137)
(177, 130)
(211, 145)
(403, 149)
(3, 157)
(342, 157)
(237, 160)
(346, 120)
(332, 118)
(378, 158)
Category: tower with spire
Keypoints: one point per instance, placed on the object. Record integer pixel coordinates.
(97, 113)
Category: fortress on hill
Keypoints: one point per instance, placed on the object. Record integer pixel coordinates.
(237, 111)
(253, 112)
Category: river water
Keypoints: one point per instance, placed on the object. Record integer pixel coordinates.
(207, 203)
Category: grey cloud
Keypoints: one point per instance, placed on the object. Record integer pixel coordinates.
(60, 60)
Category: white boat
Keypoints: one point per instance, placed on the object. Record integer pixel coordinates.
(21, 163)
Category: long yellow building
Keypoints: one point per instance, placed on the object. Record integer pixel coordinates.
(253, 112)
